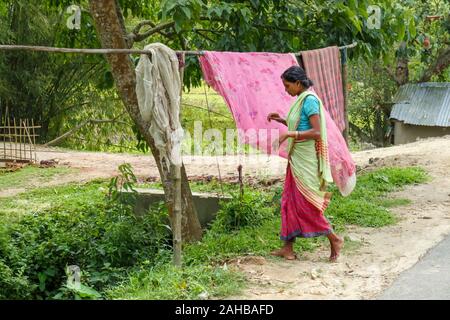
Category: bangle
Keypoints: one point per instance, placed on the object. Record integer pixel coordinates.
(296, 135)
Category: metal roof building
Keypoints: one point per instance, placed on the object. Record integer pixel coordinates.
(421, 110)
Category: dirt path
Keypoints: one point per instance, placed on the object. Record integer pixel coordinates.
(384, 253)
(361, 273)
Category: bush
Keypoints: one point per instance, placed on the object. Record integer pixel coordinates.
(249, 209)
(103, 240)
(12, 286)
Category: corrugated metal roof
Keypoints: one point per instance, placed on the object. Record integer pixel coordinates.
(426, 104)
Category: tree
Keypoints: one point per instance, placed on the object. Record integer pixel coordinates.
(111, 30)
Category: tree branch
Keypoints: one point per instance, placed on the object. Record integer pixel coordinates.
(203, 35)
(135, 36)
(78, 127)
(438, 66)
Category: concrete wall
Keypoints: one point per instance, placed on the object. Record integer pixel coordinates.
(207, 204)
(406, 133)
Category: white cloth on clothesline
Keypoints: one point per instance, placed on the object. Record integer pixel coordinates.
(158, 88)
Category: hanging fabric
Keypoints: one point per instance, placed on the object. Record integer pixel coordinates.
(323, 67)
(158, 87)
(251, 85)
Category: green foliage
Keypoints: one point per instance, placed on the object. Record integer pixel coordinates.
(367, 205)
(55, 83)
(436, 32)
(100, 237)
(14, 285)
(370, 94)
(169, 282)
(364, 207)
(64, 90)
(122, 256)
(249, 209)
(121, 189)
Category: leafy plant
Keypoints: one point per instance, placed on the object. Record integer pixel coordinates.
(248, 209)
(121, 189)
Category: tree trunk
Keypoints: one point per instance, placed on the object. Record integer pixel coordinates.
(111, 31)
(402, 71)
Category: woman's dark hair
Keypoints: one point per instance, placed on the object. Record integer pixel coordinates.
(296, 73)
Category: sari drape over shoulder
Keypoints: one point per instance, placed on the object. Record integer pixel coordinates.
(305, 198)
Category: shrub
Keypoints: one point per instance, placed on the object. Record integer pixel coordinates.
(248, 209)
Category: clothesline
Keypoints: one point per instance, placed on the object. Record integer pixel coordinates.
(111, 51)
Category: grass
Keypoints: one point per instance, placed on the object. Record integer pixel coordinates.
(30, 176)
(203, 272)
(369, 203)
(70, 197)
(169, 282)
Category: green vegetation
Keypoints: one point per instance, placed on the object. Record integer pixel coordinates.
(122, 256)
(22, 178)
(78, 227)
(169, 282)
(367, 206)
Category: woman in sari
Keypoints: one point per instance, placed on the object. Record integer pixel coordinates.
(304, 197)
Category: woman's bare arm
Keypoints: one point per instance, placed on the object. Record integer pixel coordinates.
(311, 134)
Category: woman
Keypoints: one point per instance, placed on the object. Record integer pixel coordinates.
(304, 197)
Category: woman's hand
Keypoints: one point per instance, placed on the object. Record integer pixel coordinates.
(282, 138)
(275, 116)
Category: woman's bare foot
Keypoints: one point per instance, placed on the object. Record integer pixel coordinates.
(336, 246)
(285, 253)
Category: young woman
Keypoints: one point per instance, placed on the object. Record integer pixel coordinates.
(304, 198)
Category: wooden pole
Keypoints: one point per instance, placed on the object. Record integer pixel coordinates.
(344, 88)
(20, 138)
(9, 138)
(27, 126)
(109, 51)
(34, 139)
(177, 240)
(15, 139)
(4, 139)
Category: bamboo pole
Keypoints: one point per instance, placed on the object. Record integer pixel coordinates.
(15, 139)
(111, 51)
(6, 117)
(20, 138)
(85, 51)
(4, 140)
(177, 239)
(27, 124)
(34, 139)
(4, 145)
(9, 138)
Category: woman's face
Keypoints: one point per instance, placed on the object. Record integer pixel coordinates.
(292, 88)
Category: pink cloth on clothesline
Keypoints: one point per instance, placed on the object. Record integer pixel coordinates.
(251, 85)
(323, 67)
